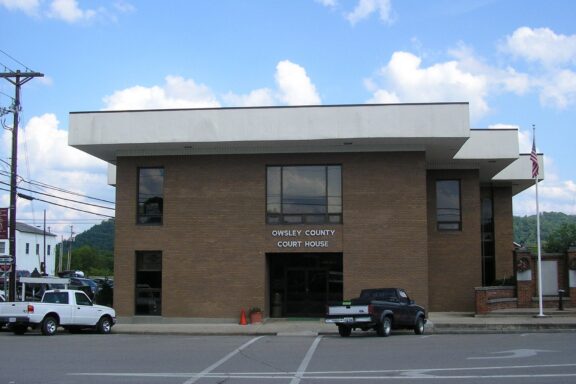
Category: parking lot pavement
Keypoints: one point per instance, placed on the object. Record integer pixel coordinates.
(407, 358)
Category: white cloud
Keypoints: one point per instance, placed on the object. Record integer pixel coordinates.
(69, 11)
(328, 3)
(44, 156)
(559, 89)
(365, 8)
(541, 45)
(29, 7)
(257, 97)
(554, 78)
(66, 10)
(406, 80)
(499, 79)
(384, 97)
(294, 85)
(177, 92)
(554, 194)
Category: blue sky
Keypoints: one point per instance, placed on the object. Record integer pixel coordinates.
(513, 61)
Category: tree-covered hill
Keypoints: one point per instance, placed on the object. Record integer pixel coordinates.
(100, 237)
(550, 223)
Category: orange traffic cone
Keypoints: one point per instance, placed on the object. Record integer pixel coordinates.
(243, 317)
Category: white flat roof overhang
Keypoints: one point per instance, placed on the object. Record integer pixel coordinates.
(519, 173)
(441, 130)
(438, 129)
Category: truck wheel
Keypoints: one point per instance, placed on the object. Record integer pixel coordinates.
(384, 328)
(104, 325)
(49, 326)
(344, 330)
(419, 327)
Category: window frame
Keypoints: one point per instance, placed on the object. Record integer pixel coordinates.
(448, 225)
(283, 217)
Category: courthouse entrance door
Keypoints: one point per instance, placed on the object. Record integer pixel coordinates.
(302, 284)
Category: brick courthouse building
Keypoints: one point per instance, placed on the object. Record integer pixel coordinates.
(288, 208)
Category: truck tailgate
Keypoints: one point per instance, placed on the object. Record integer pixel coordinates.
(347, 310)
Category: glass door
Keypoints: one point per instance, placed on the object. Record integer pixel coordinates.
(306, 292)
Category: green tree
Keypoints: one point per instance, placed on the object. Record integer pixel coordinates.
(93, 262)
(561, 239)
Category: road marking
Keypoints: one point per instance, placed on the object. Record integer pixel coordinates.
(221, 361)
(391, 374)
(513, 354)
(304, 364)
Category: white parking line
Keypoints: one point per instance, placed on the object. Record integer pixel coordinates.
(206, 371)
(304, 364)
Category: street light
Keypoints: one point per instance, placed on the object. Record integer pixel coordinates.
(43, 265)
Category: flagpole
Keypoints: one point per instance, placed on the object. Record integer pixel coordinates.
(535, 172)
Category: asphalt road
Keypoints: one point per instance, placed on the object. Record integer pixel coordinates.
(405, 358)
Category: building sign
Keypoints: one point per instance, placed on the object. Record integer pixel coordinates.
(303, 238)
(3, 223)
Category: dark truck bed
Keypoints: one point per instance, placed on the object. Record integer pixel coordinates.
(381, 309)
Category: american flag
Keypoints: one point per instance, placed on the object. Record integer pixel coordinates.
(534, 159)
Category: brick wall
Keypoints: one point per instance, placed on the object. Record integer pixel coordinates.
(211, 237)
(489, 299)
(214, 238)
(503, 232)
(455, 256)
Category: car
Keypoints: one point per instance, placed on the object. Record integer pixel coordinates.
(89, 286)
(72, 273)
(68, 308)
(381, 309)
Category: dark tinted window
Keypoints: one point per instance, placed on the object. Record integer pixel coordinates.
(149, 283)
(82, 299)
(304, 194)
(448, 212)
(150, 195)
(56, 298)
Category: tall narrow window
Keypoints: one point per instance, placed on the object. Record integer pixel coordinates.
(448, 212)
(304, 194)
(150, 195)
(488, 239)
(27, 248)
(148, 283)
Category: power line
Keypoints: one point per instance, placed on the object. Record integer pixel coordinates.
(43, 185)
(59, 197)
(60, 205)
(16, 61)
(48, 186)
(65, 206)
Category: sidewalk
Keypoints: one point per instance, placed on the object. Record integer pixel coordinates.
(518, 321)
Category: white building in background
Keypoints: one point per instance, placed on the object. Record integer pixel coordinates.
(30, 242)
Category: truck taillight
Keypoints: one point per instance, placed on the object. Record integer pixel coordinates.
(370, 309)
(30, 308)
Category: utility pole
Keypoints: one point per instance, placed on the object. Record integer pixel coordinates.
(70, 247)
(44, 261)
(17, 79)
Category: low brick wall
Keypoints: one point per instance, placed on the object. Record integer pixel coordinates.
(489, 299)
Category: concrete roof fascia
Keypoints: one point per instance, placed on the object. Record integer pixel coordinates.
(106, 134)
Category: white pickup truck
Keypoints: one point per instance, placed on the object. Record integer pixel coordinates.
(70, 309)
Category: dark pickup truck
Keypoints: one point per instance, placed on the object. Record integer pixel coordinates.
(381, 309)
